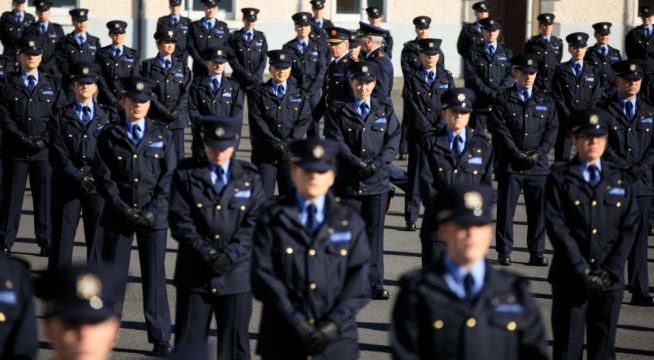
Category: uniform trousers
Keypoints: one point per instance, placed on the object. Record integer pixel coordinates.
(637, 275)
(272, 174)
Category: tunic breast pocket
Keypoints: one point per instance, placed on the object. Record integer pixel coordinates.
(645, 125)
(154, 153)
(504, 329)
(239, 203)
(337, 251)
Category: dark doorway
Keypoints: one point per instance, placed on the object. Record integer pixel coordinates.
(514, 22)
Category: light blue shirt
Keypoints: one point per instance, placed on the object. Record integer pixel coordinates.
(121, 48)
(478, 27)
(573, 64)
(623, 101)
(521, 90)
(302, 204)
(318, 22)
(276, 85)
(426, 74)
(545, 38)
(209, 22)
(647, 28)
(214, 175)
(82, 35)
(130, 125)
(217, 77)
(357, 105)
(36, 77)
(455, 273)
(301, 42)
(584, 168)
(605, 47)
(80, 113)
(162, 60)
(246, 32)
(20, 14)
(451, 135)
(175, 18)
(46, 24)
(488, 45)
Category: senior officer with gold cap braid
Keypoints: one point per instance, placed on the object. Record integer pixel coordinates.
(310, 264)
(592, 220)
(548, 50)
(602, 56)
(51, 34)
(204, 33)
(136, 159)
(213, 208)
(13, 23)
(375, 15)
(379, 62)
(335, 84)
(249, 51)
(180, 25)
(460, 307)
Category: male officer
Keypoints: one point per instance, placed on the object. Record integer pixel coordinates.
(308, 66)
(548, 50)
(460, 307)
(135, 163)
(213, 208)
(310, 263)
(180, 25)
(7, 66)
(638, 43)
(73, 140)
(379, 63)
(375, 15)
(173, 79)
(116, 62)
(51, 34)
(451, 155)
(631, 147)
(204, 33)
(525, 125)
(592, 220)
(215, 94)
(369, 134)
(78, 46)
(12, 25)
(249, 47)
(576, 86)
(81, 319)
(279, 113)
(355, 45)
(602, 56)
(319, 24)
(487, 71)
(422, 93)
(471, 34)
(30, 97)
(335, 85)
(18, 334)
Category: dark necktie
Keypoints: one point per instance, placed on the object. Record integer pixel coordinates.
(215, 84)
(207, 24)
(167, 64)
(31, 83)
(174, 21)
(629, 110)
(19, 18)
(80, 41)
(364, 109)
(468, 285)
(42, 29)
(647, 32)
(430, 78)
(86, 115)
(248, 37)
(136, 134)
(220, 179)
(311, 218)
(594, 173)
(457, 146)
(281, 91)
(578, 69)
(117, 53)
(303, 47)
(603, 51)
(491, 50)
(546, 41)
(525, 95)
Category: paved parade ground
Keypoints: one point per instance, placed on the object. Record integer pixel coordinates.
(402, 253)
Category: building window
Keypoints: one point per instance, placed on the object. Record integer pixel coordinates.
(352, 8)
(226, 6)
(64, 3)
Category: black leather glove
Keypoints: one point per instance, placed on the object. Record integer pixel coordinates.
(636, 172)
(147, 219)
(368, 171)
(87, 184)
(38, 143)
(533, 157)
(304, 330)
(220, 264)
(605, 277)
(593, 283)
(285, 154)
(318, 341)
(133, 216)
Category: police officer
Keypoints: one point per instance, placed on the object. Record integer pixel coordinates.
(602, 56)
(592, 220)
(180, 25)
(310, 263)
(369, 134)
(12, 25)
(630, 147)
(638, 43)
(278, 113)
(78, 46)
(30, 97)
(173, 79)
(249, 47)
(525, 125)
(375, 15)
(51, 34)
(335, 85)
(7, 66)
(18, 334)
(488, 71)
(422, 93)
(135, 163)
(379, 63)
(471, 34)
(308, 65)
(81, 320)
(450, 155)
(215, 94)
(548, 50)
(73, 136)
(355, 45)
(116, 62)
(576, 86)
(204, 33)
(213, 208)
(319, 24)
(460, 307)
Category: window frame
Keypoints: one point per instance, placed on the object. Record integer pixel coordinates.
(361, 16)
(199, 14)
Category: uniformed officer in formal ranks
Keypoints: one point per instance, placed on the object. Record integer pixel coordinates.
(487, 71)
(12, 25)
(136, 159)
(214, 94)
(78, 46)
(51, 33)
(278, 113)
(602, 56)
(525, 125)
(308, 65)
(204, 33)
(335, 84)
(173, 79)
(310, 263)
(80, 319)
(213, 208)
(369, 134)
(116, 62)
(375, 15)
(7, 66)
(422, 93)
(180, 25)
(249, 47)
(471, 34)
(631, 140)
(548, 50)
(18, 334)
(29, 99)
(452, 154)
(592, 219)
(460, 307)
(371, 37)
(639, 44)
(73, 140)
(319, 24)
(355, 45)
(576, 86)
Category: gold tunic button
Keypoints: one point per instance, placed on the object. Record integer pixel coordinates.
(313, 286)
(438, 324)
(218, 207)
(214, 291)
(343, 252)
(577, 202)
(471, 323)
(594, 231)
(199, 205)
(312, 252)
(511, 326)
(618, 204)
(592, 260)
(289, 250)
(2, 317)
(216, 237)
(135, 156)
(594, 203)
(243, 207)
(136, 180)
(9, 284)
